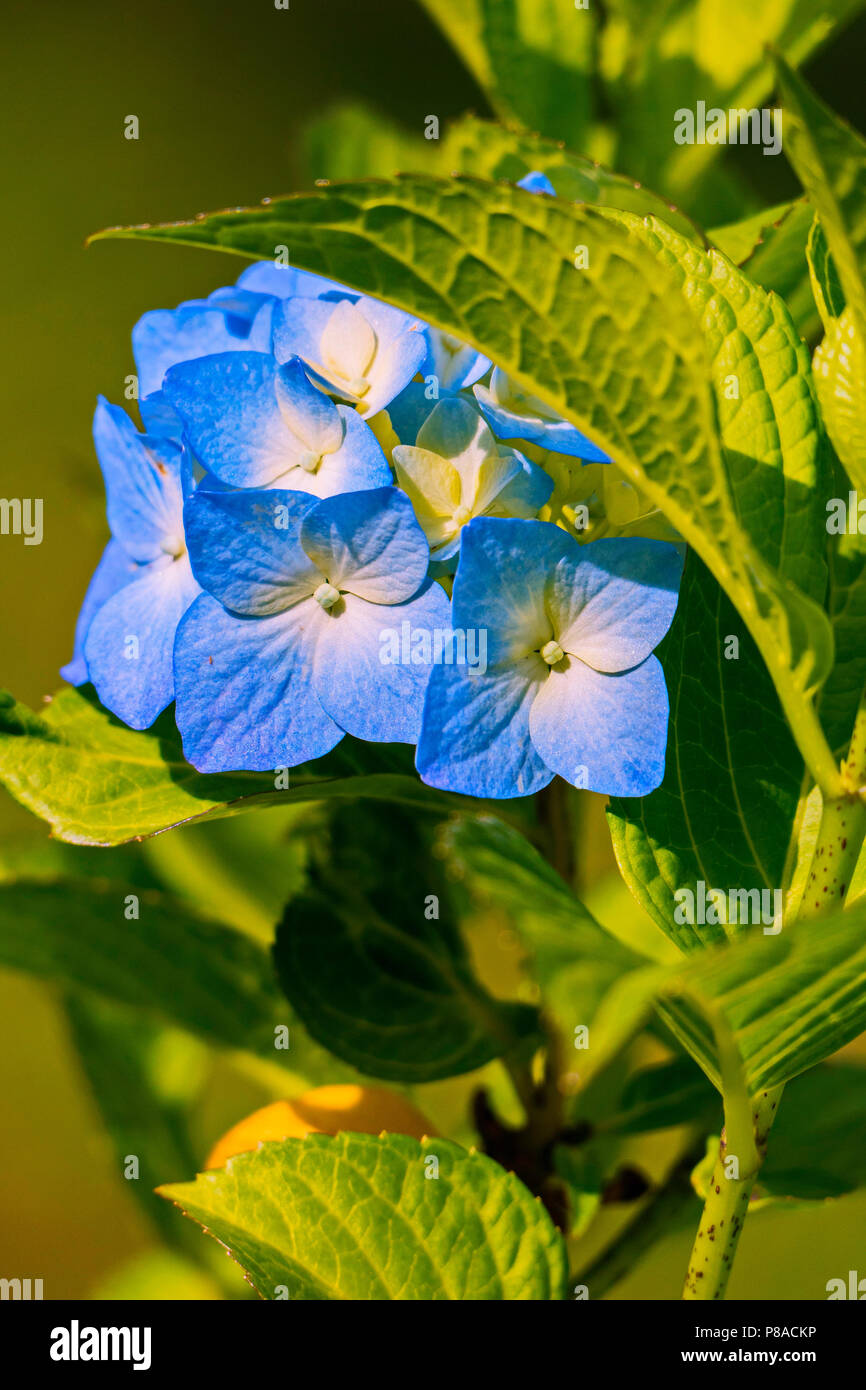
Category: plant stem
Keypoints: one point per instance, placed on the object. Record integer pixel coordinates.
(837, 848)
(725, 1210)
(554, 814)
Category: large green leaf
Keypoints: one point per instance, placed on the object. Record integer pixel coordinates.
(614, 347)
(770, 247)
(356, 1217)
(97, 782)
(492, 151)
(375, 966)
(725, 812)
(175, 966)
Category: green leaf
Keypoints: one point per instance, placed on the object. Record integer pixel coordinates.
(770, 248)
(771, 437)
(144, 1077)
(840, 380)
(375, 966)
(356, 1217)
(840, 696)
(725, 812)
(176, 966)
(534, 58)
(657, 1097)
(816, 1150)
(97, 782)
(616, 350)
(674, 53)
(754, 1013)
(790, 1001)
(491, 151)
(826, 285)
(571, 955)
(739, 240)
(352, 142)
(830, 161)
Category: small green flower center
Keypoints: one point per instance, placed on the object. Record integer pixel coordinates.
(552, 652)
(326, 595)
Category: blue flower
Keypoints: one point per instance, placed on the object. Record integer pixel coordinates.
(456, 470)
(452, 362)
(144, 583)
(285, 282)
(514, 414)
(570, 686)
(362, 351)
(284, 653)
(536, 182)
(229, 320)
(252, 423)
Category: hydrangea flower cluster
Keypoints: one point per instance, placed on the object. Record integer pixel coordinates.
(329, 525)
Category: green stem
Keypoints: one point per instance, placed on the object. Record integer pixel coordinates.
(725, 1210)
(554, 814)
(837, 849)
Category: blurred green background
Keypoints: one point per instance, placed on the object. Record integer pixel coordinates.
(222, 90)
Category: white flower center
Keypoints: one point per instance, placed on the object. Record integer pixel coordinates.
(309, 461)
(173, 545)
(326, 595)
(462, 515)
(552, 652)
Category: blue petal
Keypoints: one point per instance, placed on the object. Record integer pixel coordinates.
(604, 732)
(298, 327)
(367, 694)
(136, 682)
(453, 369)
(500, 583)
(285, 282)
(115, 569)
(530, 490)
(557, 435)
(368, 543)
(228, 405)
(400, 345)
(164, 337)
(358, 464)
(536, 182)
(142, 483)
(245, 548)
(475, 731)
(409, 410)
(613, 601)
(245, 689)
(158, 417)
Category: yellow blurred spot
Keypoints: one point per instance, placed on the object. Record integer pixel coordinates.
(325, 1110)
